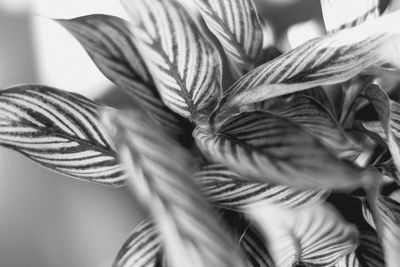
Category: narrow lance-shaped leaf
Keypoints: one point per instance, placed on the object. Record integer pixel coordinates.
(322, 61)
(60, 131)
(229, 190)
(389, 114)
(141, 249)
(237, 27)
(343, 14)
(266, 147)
(369, 251)
(316, 235)
(185, 65)
(109, 42)
(160, 177)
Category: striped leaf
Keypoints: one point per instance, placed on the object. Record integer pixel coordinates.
(322, 61)
(316, 235)
(108, 41)
(389, 212)
(141, 249)
(317, 121)
(228, 190)
(160, 172)
(369, 251)
(237, 27)
(343, 14)
(389, 114)
(268, 148)
(185, 65)
(60, 131)
(350, 260)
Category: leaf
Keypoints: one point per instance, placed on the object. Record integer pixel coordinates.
(389, 211)
(160, 172)
(322, 61)
(342, 14)
(267, 148)
(369, 251)
(316, 235)
(60, 131)
(236, 25)
(316, 120)
(227, 189)
(108, 41)
(350, 260)
(388, 113)
(185, 66)
(141, 249)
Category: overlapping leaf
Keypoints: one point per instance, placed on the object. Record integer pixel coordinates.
(389, 212)
(315, 235)
(349, 260)
(186, 66)
(60, 131)
(389, 114)
(266, 147)
(227, 189)
(369, 251)
(108, 41)
(317, 121)
(237, 27)
(343, 14)
(322, 61)
(141, 249)
(160, 172)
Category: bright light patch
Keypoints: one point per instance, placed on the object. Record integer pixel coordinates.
(62, 62)
(303, 32)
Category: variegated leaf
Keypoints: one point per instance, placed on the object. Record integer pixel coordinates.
(266, 147)
(108, 41)
(350, 260)
(160, 172)
(141, 249)
(322, 61)
(389, 212)
(317, 121)
(227, 189)
(369, 251)
(316, 235)
(343, 14)
(389, 114)
(60, 131)
(236, 25)
(185, 65)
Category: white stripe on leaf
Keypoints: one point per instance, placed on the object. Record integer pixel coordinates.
(185, 65)
(236, 25)
(60, 131)
(266, 147)
(109, 42)
(343, 14)
(160, 172)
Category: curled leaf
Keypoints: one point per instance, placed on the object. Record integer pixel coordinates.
(237, 27)
(60, 131)
(316, 235)
(266, 147)
(186, 67)
(109, 42)
(160, 172)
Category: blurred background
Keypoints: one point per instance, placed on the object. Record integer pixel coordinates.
(47, 219)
